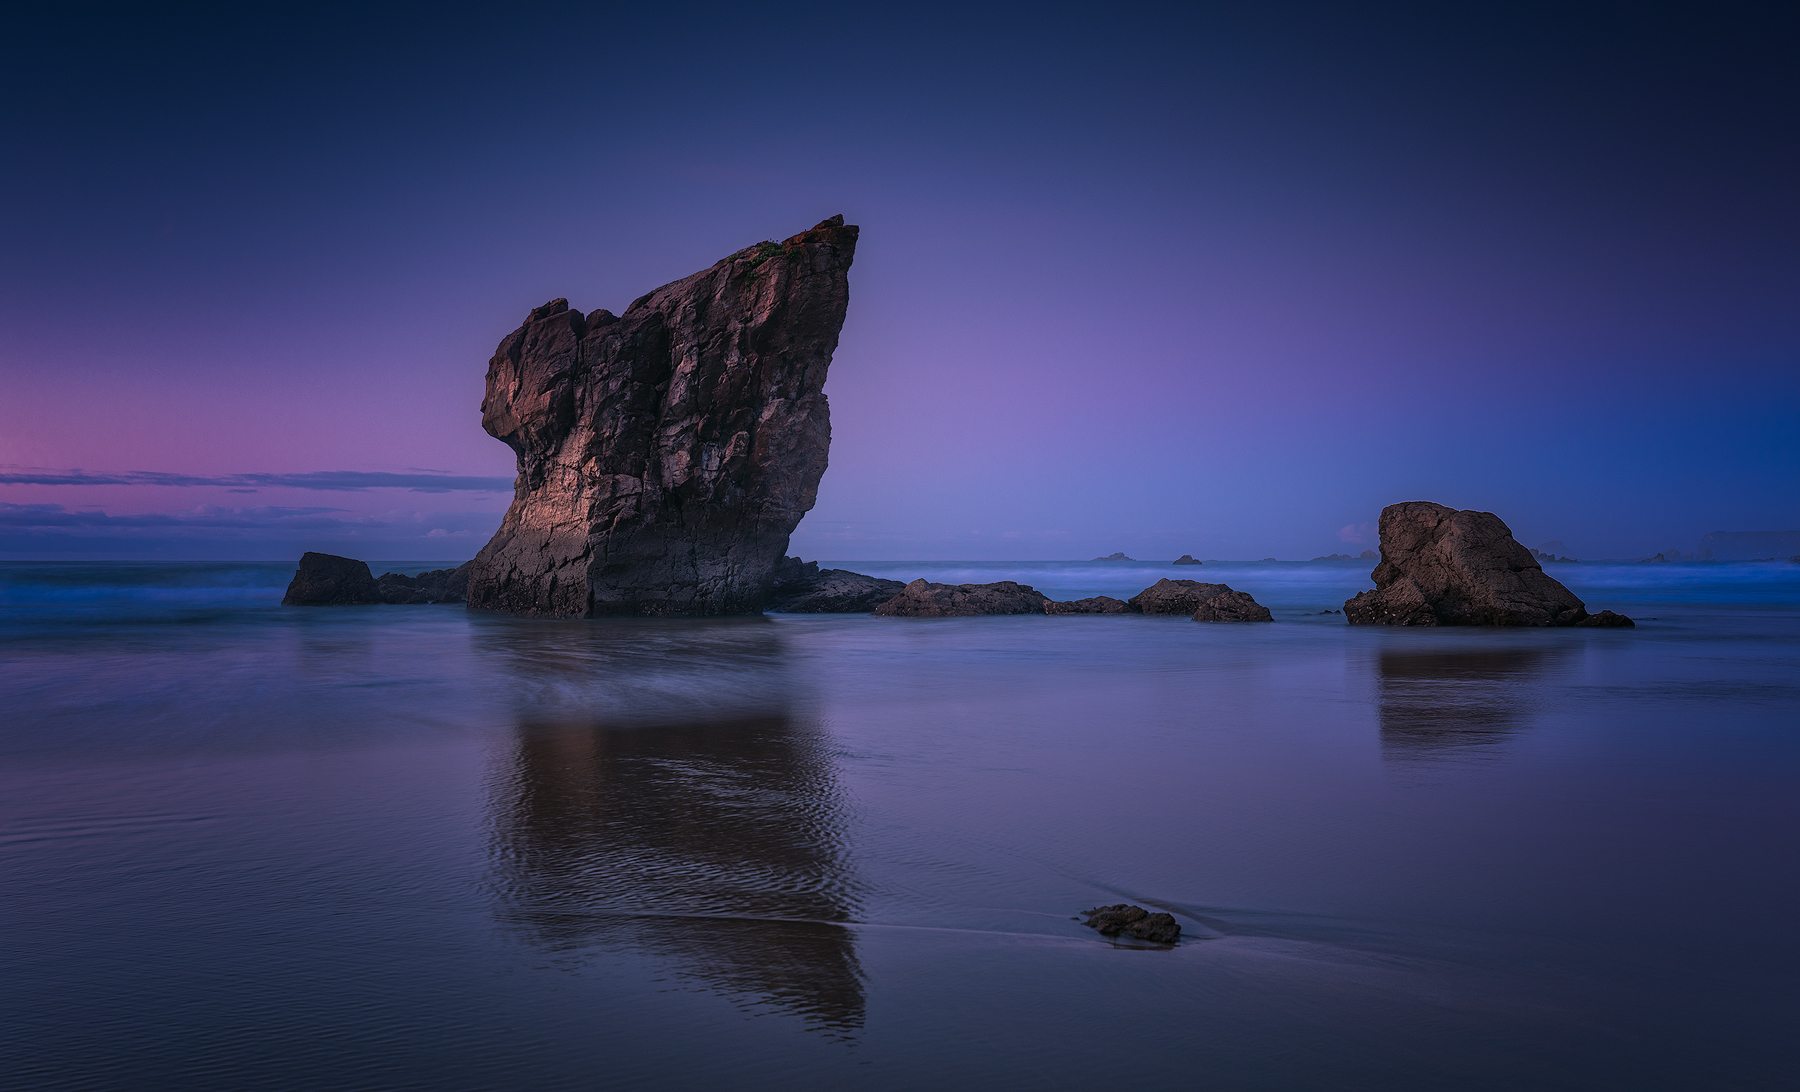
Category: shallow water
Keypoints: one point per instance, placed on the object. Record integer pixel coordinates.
(247, 845)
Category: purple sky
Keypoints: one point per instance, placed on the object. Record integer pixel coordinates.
(1168, 280)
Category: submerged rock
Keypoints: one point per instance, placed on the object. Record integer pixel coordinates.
(666, 454)
(802, 587)
(1200, 601)
(1124, 919)
(923, 599)
(1093, 604)
(330, 580)
(1187, 559)
(1444, 567)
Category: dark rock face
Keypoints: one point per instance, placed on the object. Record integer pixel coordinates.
(802, 587)
(1187, 559)
(1093, 604)
(1443, 567)
(1202, 602)
(1124, 919)
(923, 599)
(435, 586)
(1115, 556)
(330, 580)
(666, 454)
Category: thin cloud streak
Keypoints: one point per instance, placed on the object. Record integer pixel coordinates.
(337, 481)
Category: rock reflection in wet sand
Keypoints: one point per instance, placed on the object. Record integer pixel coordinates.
(1458, 700)
(715, 841)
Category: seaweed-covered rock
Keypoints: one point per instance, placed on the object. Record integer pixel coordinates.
(1124, 919)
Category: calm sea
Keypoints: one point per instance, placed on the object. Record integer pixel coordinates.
(248, 846)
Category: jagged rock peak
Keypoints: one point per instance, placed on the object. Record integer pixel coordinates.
(666, 454)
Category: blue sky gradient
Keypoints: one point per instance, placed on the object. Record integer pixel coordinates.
(1199, 278)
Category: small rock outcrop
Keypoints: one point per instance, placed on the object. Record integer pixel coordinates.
(666, 454)
(330, 580)
(1093, 604)
(923, 599)
(433, 586)
(1200, 601)
(1116, 556)
(1607, 619)
(1444, 567)
(1335, 557)
(801, 587)
(1187, 559)
(1124, 919)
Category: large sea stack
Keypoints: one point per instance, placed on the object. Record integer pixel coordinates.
(665, 455)
(1444, 567)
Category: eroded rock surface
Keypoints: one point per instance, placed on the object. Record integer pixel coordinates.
(923, 599)
(1444, 567)
(1201, 601)
(1124, 919)
(666, 454)
(802, 587)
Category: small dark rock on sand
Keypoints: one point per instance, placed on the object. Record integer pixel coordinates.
(1124, 919)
